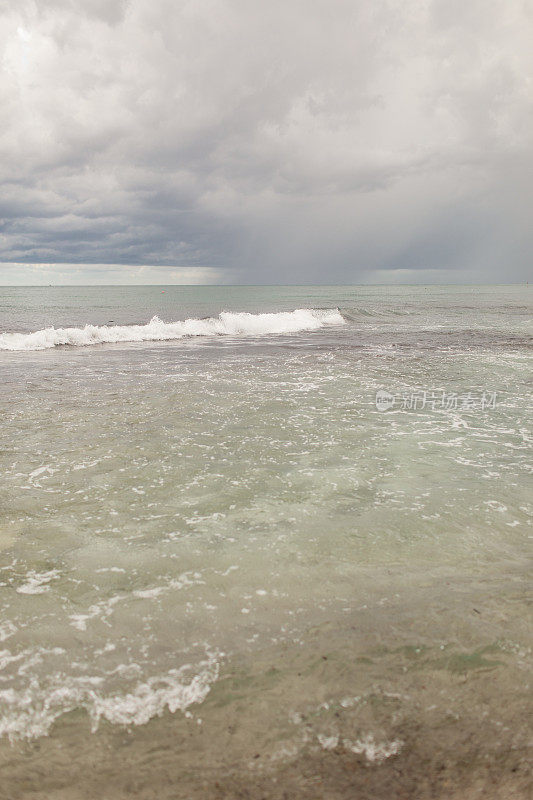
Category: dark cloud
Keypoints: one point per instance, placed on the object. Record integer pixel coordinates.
(293, 141)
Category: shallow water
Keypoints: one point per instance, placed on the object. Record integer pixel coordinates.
(172, 509)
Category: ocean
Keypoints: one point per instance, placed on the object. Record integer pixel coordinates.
(265, 539)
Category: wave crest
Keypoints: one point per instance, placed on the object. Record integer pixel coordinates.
(227, 323)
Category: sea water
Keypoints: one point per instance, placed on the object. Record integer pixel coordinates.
(198, 477)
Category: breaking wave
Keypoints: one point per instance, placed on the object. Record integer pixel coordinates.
(227, 323)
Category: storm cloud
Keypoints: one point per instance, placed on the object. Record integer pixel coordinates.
(301, 141)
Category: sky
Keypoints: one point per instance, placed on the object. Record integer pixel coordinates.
(253, 142)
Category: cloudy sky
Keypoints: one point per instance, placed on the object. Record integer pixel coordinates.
(246, 141)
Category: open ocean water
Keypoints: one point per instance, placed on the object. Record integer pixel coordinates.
(226, 569)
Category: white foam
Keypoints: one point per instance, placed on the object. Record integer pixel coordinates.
(372, 750)
(37, 582)
(7, 629)
(151, 698)
(227, 323)
(31, 712)
(328, 742)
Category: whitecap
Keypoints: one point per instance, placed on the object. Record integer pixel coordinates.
(227, 323)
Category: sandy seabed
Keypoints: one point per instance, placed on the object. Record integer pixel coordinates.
(318, 719)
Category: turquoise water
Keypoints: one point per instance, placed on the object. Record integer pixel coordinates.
(169, 505)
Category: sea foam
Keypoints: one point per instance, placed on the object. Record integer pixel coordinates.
(30, 713)
(227, 323)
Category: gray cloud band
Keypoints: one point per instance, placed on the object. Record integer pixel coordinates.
(331, 143)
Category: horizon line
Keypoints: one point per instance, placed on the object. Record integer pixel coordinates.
(237, 285)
